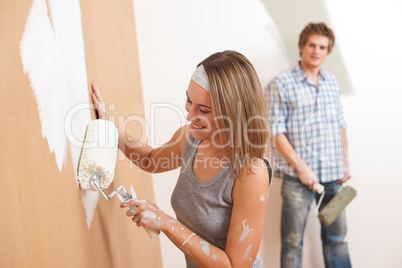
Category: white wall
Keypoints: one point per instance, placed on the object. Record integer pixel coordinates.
(371, 45)
(174, 36)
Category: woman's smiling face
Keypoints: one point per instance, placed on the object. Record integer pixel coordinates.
(200, 114)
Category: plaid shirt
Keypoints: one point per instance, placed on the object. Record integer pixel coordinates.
(311, 119)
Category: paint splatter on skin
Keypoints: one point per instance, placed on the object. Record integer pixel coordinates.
(138, 219)
(185, 240)
(137, 202)
(131, 210)
(136, 144)
(163, 147)
(214, 257)
(173, 221)
(131, 139)
(245, 231)
(247, 251)
(160, 210)
(205, 247)
(262, 197)
(149, 216)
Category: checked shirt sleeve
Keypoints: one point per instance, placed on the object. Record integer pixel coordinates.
(342, 122)
(276, 104)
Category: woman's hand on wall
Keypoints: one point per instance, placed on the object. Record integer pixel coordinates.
(98, 102)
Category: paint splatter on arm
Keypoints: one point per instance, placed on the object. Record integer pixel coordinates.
(244, 233)
(246, 226)
(147, 214)
(196, 248)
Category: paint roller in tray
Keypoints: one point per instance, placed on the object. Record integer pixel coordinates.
(337, 204)
(98, 161)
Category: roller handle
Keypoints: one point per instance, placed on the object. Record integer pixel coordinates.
(319, 188)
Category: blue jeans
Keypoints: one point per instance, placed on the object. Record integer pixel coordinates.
(297, 200)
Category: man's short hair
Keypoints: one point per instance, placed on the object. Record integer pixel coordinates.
(317, 28)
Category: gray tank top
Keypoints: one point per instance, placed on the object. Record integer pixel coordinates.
(205, 207)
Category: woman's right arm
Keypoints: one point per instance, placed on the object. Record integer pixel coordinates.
(154, 160)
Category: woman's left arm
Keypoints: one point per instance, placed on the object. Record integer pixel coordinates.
(250, 195)
(245, 231)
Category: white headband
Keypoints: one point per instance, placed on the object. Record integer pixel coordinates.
(200, 77)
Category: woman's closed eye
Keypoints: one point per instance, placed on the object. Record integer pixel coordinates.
(201, 109)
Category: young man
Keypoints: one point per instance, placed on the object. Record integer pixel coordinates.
(308, 130)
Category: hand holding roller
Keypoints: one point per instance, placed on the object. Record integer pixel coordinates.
(125, 197)
(98, 161)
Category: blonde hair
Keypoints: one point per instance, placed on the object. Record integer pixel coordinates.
(317, 28)
(238, 106)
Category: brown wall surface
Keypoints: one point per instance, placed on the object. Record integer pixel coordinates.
(42, 218)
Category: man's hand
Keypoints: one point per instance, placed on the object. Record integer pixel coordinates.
(346, 176)
(307, 176)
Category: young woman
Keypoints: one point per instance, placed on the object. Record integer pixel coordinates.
(221, 193)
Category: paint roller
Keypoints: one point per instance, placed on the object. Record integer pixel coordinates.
(98, 160)
(337, 204)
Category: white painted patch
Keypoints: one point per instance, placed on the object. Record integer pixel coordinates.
(90, 200)
(52, 54)
(98, 154)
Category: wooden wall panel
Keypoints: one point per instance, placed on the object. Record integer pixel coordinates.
(42, 218)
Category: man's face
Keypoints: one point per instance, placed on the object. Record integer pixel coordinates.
(314, 51)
